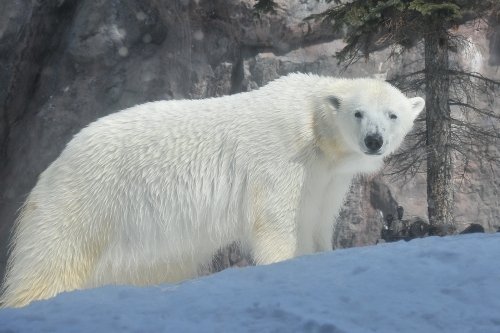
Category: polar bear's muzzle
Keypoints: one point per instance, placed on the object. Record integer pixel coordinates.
(373, 143)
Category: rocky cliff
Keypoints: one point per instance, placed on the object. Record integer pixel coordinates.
(65, 63)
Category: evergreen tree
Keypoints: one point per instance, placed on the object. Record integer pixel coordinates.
(371, 25)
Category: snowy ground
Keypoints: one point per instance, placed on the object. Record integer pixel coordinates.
(427, 285)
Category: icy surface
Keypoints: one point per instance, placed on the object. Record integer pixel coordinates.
(449, 284)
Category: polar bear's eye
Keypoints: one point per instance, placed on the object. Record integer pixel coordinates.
(358, 115)
(393, 116)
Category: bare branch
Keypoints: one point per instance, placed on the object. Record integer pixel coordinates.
(474, 75)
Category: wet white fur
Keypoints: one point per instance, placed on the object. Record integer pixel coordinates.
(148, 195)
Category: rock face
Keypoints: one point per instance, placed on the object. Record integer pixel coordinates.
(64, 64)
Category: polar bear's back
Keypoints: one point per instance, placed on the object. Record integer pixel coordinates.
(147, 172)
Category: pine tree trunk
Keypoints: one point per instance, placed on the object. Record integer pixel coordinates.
(438, 122)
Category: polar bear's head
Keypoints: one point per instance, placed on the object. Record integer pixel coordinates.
(373, 117)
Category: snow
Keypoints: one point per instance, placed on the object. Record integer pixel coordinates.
(449, 284)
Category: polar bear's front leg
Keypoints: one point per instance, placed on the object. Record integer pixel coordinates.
(323, 236)
(332, 203)
(273, 240)
(274, 234)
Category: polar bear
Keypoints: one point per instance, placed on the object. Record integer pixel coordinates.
(149, 194)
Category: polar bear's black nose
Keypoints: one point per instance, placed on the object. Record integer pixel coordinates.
(374, 142)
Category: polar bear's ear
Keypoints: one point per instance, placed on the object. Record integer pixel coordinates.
(417, 105)
(334, 101)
